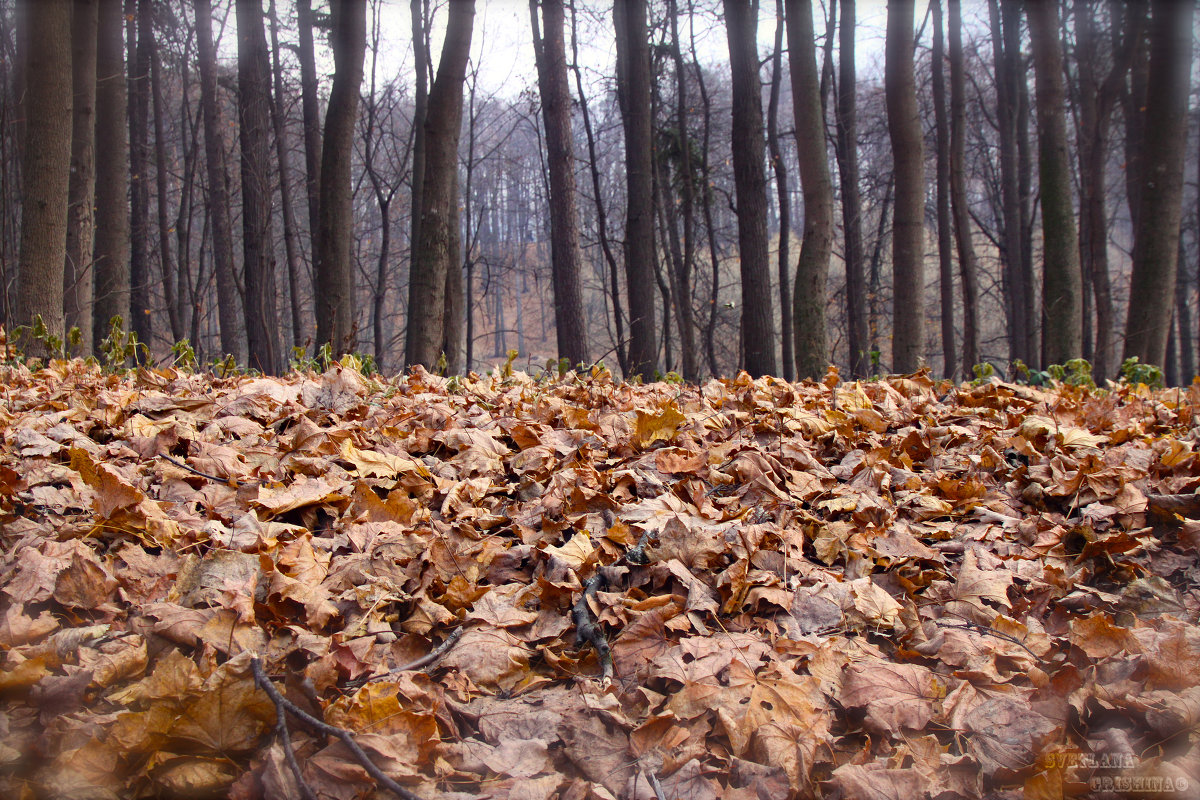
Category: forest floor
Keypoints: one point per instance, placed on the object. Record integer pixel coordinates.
(509, 587)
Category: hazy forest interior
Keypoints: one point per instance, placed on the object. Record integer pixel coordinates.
(670, 186)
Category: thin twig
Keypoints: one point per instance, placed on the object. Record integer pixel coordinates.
(421, 663)
(990, 631)
(281, 730)
(320, 726)
(656, 785)
(195, 471)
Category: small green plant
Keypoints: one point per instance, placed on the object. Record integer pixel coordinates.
(670, 377)
(1134, 371)
(185, 356)
(121, 348)
(983, 372)
(51, 345)
(224, 367)
(507, 370)
(1076, 372)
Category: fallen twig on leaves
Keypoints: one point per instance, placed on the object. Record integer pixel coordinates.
(586, 628)
(421, 663)
(194, 471)
(320, 726)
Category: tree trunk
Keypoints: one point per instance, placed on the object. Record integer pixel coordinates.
(1183, 317)
(1062, 323)
(166, 263)
(420, 41)
(111, 253)
(787, 331)
(139, 28)
(254, 135)
(750, 182)
(847, 155)
(614, 280)
(1156, 231)
(570, 324)
(336, 323)
(967, 266)
(218, 187)
(1015, 295)
(310, 109)
(945, 236)
(81, 222)
(908, 228)
(633, 92)
(432, 252)
(291, 247)
(454, 328)
(46, 171)
(812, 270)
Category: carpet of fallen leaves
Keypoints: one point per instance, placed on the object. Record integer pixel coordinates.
(895, 589)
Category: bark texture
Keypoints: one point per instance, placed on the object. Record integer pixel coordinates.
(858, 333)
(812, 270)
(111, 252)
(967, 265)
(908, 227)
(750, 182)
(81, 224)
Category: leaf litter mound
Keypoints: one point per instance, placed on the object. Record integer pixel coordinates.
(513, 587)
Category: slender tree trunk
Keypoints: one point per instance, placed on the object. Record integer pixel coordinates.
(633, 92)
(1006, 114)
(258, 245)
(310, 110)
(432, 252)
(781, 188)
(420, 109)
(166, 263)
(454, 328)
(601, 217)
(218, 188)
(750, 182)
(291, 247)
(570, 324)
(1025, 206)
(686, 264)
(111, 254)
(967, 266)
(81, 223)
(812, 270)
(1156, 231)
(945, 235)
(1183, 317)
(847, 155)
(1062, 324)
(336, 324)
(908, 228)
(46, 171)
(139, 26)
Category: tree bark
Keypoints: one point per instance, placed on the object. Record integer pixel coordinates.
(291, 247)
(139, 28)
(1156, 232)
(750, 182)
(336, 324)
(787, 330)
(432, 252)
(420, 44)
(254, 135)
(218, 188)
(908, 228)
(945, 236)
(967, 265)
(570, 324)
(166, 263)
(633, 93)
(1062, 323)
(812, 270)
(46, 171)
(847, 155)
(111, 252)
(310, 110)
(81, 222)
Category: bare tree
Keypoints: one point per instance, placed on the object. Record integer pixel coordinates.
(336, 323)
(967, 265)
(908, 228)
(1155, 247)
(847, 155)
(1062, 322)
(218, 189)
(812, 271)
(311, 115)
(758, 329)
(111, 252)
(551, 55)
(787, 334)
(945, 235)
(81, 225)
(432, 253)
(140, 43)
(633, 92)
(46, 170)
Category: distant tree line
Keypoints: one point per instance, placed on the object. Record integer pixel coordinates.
(1015, 184)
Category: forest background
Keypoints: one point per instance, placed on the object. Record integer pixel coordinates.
(681, 186)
